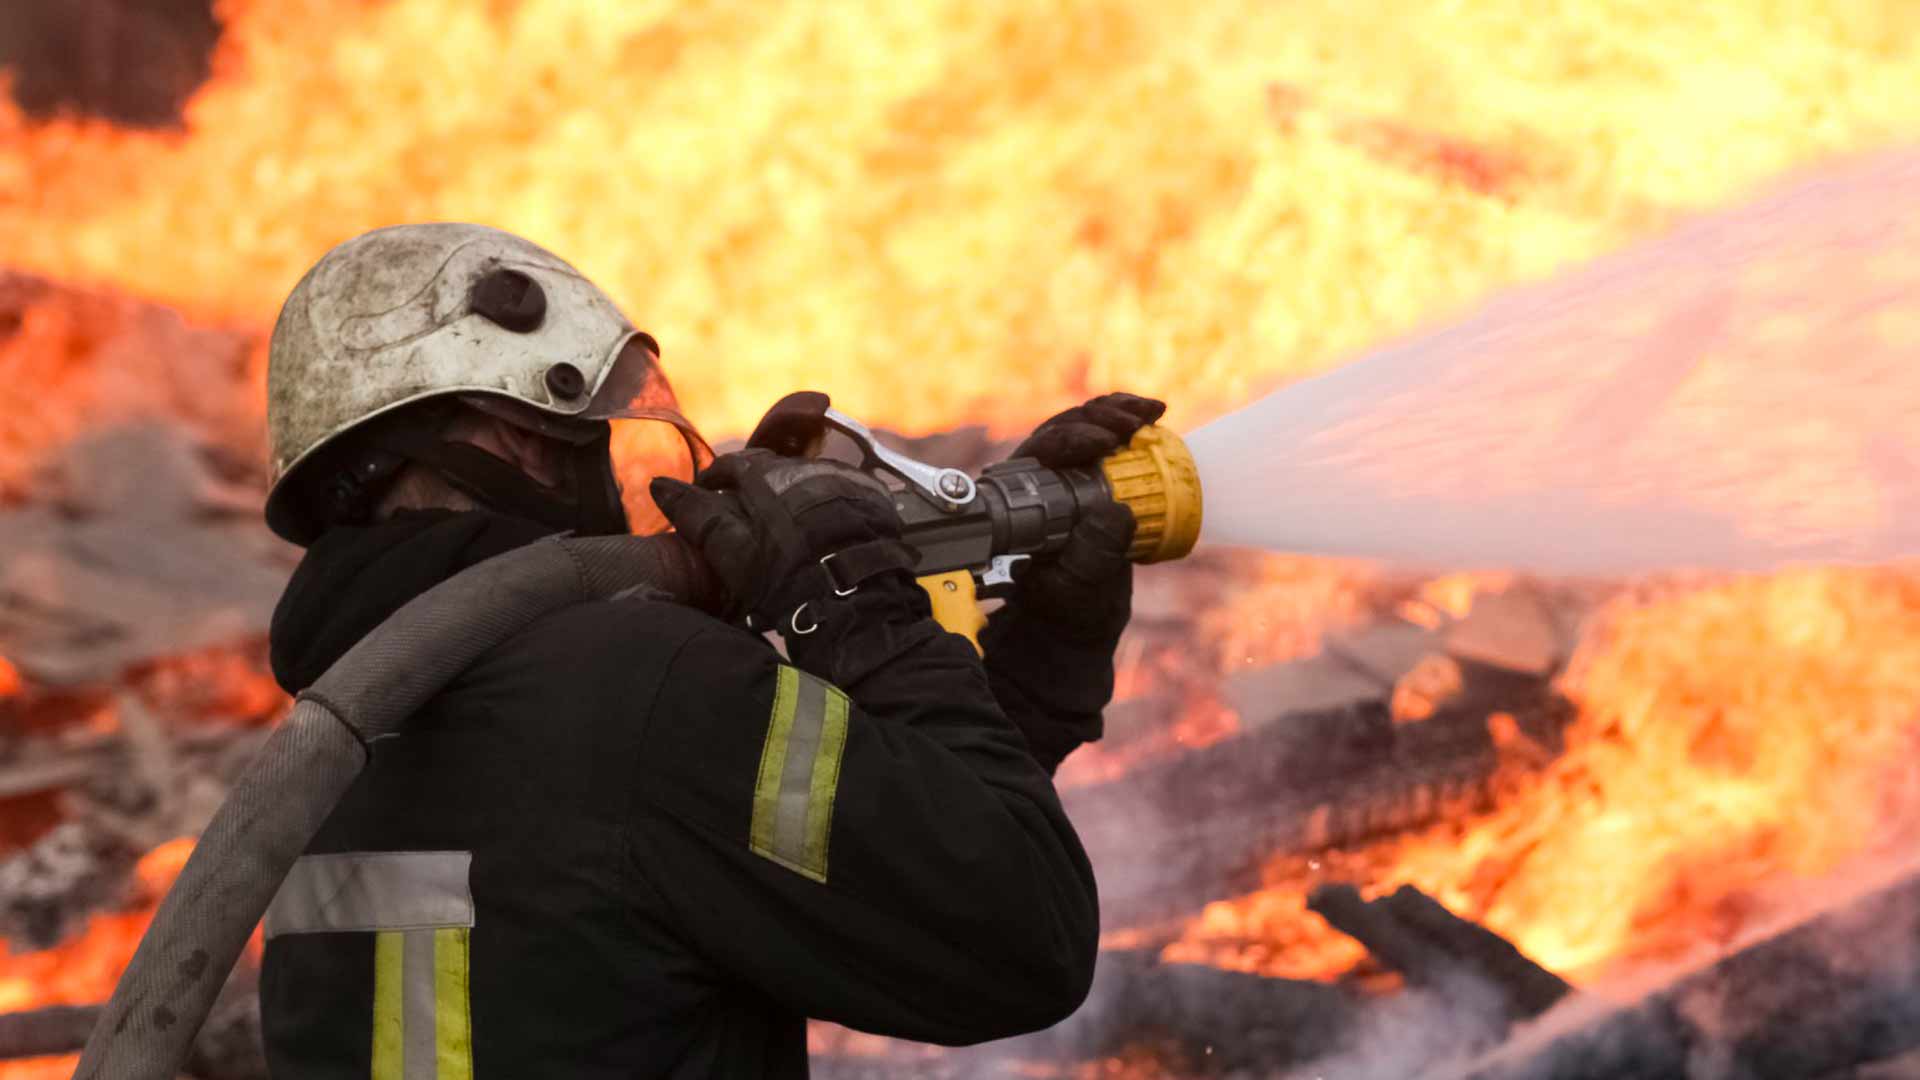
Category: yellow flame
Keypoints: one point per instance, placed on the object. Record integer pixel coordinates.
(968, 210)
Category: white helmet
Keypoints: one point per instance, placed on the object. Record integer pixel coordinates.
(416, 312)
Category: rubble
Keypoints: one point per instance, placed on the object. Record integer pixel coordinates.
(47, 888)
(132, 549)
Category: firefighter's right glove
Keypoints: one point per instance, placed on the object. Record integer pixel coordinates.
(785, 534)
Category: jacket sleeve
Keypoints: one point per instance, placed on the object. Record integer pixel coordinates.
(863, 835)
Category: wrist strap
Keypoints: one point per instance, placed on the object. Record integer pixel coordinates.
(847, 569)
(839, 574)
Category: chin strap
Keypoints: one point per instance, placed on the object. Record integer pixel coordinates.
(588, 503)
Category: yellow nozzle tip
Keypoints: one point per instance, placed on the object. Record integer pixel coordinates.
(1155, 476)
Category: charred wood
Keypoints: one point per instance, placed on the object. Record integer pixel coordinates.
(56, 1029)
(227, 1048)
(1205, 1018)
(1417, 936)
(1836, 992)
(1233, 1019)
(1529, 988)
(1171, 836)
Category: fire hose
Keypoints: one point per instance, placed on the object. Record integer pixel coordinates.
(969, 532)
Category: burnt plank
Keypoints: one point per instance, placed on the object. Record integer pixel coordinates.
(1172, 835)
(1416, 935)
(1840, 990)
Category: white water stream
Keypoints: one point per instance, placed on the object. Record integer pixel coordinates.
(1741, 393)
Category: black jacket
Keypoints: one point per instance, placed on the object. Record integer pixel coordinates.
(681, 847)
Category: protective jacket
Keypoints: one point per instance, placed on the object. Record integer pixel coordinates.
(636, 842)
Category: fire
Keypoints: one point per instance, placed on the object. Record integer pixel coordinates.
(1006, 208)
(72, 360)
(954, 212)
(1731, 738)
(82, 971)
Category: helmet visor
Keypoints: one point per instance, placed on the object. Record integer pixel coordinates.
(651, 437)
(648, 436)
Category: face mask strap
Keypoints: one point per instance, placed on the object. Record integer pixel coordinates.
(591, 508)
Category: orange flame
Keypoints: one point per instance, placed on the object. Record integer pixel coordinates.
(82, 971)
(1011, 207)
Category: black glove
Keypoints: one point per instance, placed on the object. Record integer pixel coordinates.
(1085, 593)
(780, 532)
(1086, 433)
(1049, 652)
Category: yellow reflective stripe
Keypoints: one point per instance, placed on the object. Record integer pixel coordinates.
(389, 1059)
(826, 781)
(799, 774)
(773, 762)
(422, 1024)
(453, 1031)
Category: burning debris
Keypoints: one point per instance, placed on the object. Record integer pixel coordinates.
(1353, 727)
(1499, 787)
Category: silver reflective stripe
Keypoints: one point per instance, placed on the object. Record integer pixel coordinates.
(796, 774)
(417, 1030)
(799, 773)
(374, 890)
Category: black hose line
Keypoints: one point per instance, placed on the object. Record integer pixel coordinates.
(300, 775)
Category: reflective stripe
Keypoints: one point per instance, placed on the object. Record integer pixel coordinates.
(387, 1017)
(825, 781)
(796, 779)
(373, 890)
(799, 773)
(773, 760)
(417, 980)
(422, 1028)
(420, 909)
(452, 1026)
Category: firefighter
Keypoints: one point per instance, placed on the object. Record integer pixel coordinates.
(636, 840)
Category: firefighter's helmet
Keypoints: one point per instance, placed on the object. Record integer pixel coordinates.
(410, 313)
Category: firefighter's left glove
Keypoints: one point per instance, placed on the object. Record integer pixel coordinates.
(783, 533)
(1085, 593)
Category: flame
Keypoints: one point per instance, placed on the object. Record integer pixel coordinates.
(1007, 208)
(1011, 207)
(228, 686)
(1731, 738)
(10, 682)
(73, 360)
(83, 970)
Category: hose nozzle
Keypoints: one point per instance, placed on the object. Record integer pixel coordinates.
(1155, 476)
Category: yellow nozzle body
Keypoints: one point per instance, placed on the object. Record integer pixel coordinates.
(1155, 476)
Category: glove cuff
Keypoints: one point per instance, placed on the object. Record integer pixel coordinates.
(1056, 670)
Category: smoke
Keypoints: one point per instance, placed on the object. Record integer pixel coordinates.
(1404, 1035)
(130, 61)
(1838, 990)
